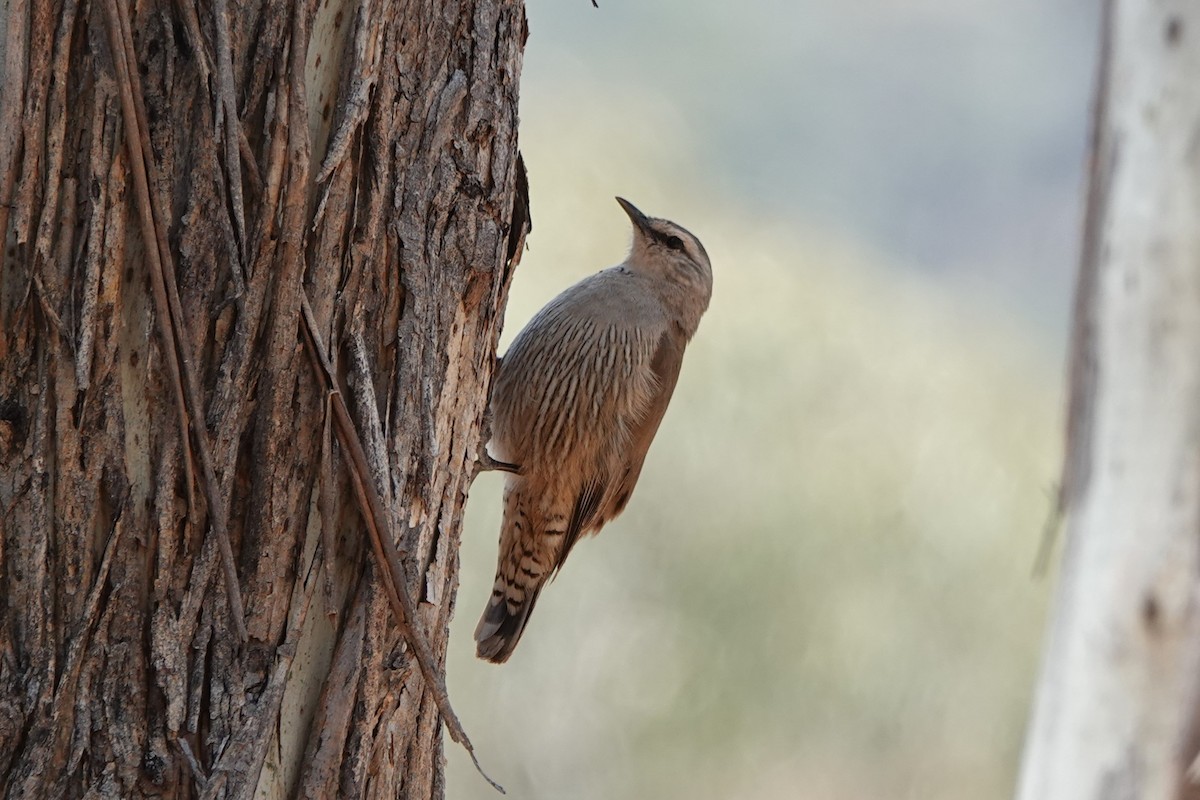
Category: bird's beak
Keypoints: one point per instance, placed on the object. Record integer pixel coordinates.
(640, 220)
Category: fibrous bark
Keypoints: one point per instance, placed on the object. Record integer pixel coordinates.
(362, 156)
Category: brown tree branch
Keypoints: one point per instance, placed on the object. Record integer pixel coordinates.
(389, 561)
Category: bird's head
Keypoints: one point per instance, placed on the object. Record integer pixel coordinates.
(668, 253)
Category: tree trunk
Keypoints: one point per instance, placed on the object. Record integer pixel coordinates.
(177, 180)
(1117, 705)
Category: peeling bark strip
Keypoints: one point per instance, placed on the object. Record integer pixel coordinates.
(1117, 713)
(121, 668)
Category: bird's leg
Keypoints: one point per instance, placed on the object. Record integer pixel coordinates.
(483, 459)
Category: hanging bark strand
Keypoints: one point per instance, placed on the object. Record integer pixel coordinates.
(122, 671)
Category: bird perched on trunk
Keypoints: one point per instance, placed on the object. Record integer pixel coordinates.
(575, 404)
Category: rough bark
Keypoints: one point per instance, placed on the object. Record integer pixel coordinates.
(157, 396)
(1117, 704)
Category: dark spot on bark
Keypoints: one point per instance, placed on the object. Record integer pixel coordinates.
(77, 408)
(16, 417)
(472, 188)
(337, 20)
(1174, 31)
(325, 112)
(129, 274)
(317, 63)
(1150, 611)
(115, 486)
(182, 46)
(152, 48)
(134, 358)
(397, 660)
(95, 189)
(154, 767)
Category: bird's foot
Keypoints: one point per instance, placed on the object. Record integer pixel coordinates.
(485, 463)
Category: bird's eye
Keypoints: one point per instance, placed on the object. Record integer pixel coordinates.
(675, 243)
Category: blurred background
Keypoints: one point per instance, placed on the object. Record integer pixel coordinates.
(822, 587)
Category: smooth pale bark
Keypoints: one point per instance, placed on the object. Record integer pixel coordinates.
(363, 154)
(1116, 708)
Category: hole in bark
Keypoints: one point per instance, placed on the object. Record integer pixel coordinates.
(17, 419)
(1174, 31)
(1150, 611)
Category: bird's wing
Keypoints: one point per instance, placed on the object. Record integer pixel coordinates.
(585, 509)
(665, 368)
(604, 496)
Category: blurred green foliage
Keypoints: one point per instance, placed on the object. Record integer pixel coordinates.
(821, 588)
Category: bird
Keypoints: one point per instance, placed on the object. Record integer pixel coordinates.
(575, 403)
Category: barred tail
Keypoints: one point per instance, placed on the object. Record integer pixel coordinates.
(502, 624)
(529, 550)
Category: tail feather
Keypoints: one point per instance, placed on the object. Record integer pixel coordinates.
(531, 540)
(500, 628)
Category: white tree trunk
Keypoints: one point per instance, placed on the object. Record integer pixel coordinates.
(1115, 713)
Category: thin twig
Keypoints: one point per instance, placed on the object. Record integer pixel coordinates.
(325, 502)
(217, 515)
(256, 184)
(197, 770)
(142, 192)
(169, 310)
(1041, 562)
(388, 559)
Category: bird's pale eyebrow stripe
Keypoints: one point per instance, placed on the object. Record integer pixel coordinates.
(691, 244)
